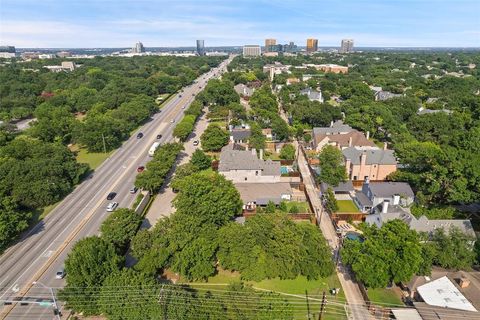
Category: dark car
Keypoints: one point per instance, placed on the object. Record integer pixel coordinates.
(111, 195)
(159, 136)
(140, 169)
(139, 135)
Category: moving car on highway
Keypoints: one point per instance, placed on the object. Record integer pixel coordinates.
(112, 206)
(111, 195)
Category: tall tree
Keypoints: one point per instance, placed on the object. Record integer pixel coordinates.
(332, 169)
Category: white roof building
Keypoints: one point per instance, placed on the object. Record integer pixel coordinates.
(443, 293)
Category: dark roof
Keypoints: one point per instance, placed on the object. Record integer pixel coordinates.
(240, 134)
(428, 312)
(346, 186)
(335, 128)
(363, 199)
(389, 189)
(374, 156)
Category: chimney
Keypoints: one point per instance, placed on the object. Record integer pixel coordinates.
(363, 159)
(254, 151)
(350, 141)
(367, 180)
(368, 135)
(331, 124)
(385, 206)
(261, 154)
(385, 146)
(463, 282)
(348, 163)
(396, 200)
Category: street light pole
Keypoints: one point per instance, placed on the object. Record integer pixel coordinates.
(55, 306)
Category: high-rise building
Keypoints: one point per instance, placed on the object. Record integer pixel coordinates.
(346, 46)
(139, 48)
(251, 51)
(312, 45)
(270, 45)
(201, 47)
(7, 52)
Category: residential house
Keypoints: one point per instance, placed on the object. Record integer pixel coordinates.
(243, 166)
(386, 95)
(240, 134)
(387, 201)
(375, 193)
(337, 127)
(313, 95)
(268, 134)
(342, 140)
(243, 90)
(422, 111)
(371, 164)
(291, 81)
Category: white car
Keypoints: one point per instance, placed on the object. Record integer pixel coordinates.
(60, 274)
(112, 206)
(172, 121)
(195, 143)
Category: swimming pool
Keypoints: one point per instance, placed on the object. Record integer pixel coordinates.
(354, 236)
(283, 170)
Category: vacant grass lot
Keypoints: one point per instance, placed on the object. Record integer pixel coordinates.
(292, 290)
(383, 296)
(93, 159)
(347, 206)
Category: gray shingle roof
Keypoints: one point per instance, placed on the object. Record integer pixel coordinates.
(240, 134)
(261, 193)
(313, 95)
(374, 156)
(346, 186)
(337, 128)
(246, 160)
(385, 95)
(389, 189)
(363, 199)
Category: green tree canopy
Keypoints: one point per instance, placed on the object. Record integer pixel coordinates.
(391, 253)
(332, 169)
(214, 138)
(120, 227)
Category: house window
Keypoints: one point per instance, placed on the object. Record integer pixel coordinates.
(245, 178)
(354, 177)
(256, 173)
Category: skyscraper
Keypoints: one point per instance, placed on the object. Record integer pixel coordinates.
(251, 51)
(270, 44)
(346, 46)
(312, 45)
(139, 48)
(201, 47)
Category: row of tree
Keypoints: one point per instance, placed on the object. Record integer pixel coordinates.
(157, 169)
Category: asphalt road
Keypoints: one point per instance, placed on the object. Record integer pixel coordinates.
(43, 250)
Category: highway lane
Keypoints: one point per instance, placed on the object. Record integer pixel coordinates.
(20, 264)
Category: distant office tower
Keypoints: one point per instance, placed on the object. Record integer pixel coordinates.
(201, 47)
(347, 46)
(312, 45)
(7, 52)
(270, 45)
(251, 51)
(290, 47)
(139, 48)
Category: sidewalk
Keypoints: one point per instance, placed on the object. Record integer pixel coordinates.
(162, 205)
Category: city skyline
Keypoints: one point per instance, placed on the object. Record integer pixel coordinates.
(54, 24)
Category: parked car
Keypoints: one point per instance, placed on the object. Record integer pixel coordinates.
(134, 190)
(139, 135)
(111, 195)
(60, 273)
(195, 142)
(159, 136)
(172, 121)
(179, 95)
(140, 169)
(112, 206)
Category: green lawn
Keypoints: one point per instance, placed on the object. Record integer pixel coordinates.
(346, 206)
(293, 291)
(384, 296)
(302, 206)
(93, 159)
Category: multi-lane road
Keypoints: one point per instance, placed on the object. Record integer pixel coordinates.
(38, 256)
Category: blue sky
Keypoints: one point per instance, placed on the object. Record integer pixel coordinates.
(120, 23)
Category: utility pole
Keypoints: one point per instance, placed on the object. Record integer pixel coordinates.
(104, 147)
(308, 305)
(322, 306)
(56, 312)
